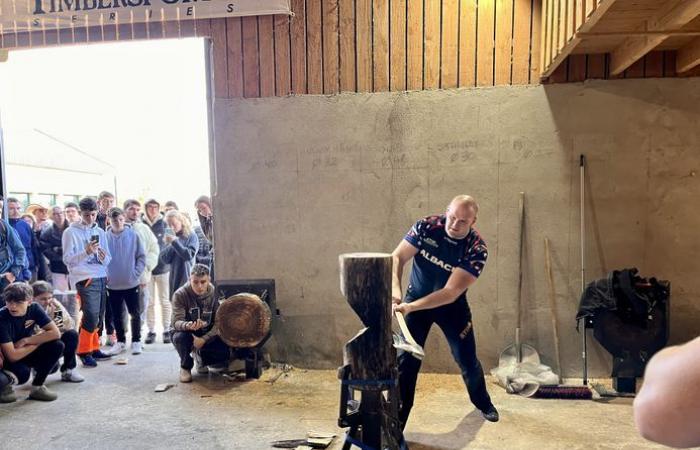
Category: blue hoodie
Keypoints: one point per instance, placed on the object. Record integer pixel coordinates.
(14, 257)
(26, 235)
(128, 259)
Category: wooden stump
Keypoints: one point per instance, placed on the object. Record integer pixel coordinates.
(365, 280)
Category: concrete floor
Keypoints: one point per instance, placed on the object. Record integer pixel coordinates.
(116, 407)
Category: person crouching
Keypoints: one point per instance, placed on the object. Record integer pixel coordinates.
(43, 295)
(23, 351)
(193, 331)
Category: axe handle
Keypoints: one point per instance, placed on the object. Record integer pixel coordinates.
(404, 328)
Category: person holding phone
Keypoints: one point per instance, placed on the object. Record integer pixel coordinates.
(86, 255)
(194, 334)
(181, 247)
(43, 295)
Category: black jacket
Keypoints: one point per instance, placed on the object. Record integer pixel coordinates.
(51, 247)
(158, 228)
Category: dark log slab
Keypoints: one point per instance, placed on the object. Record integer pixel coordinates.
(243, 320)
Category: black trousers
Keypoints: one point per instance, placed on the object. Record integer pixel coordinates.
(456, 323)
(213, 352)
(70, 345)
(43, 359)
(116, 298)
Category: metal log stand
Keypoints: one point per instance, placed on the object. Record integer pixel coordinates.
(369, 359)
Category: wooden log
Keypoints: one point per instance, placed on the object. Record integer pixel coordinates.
(365, 280)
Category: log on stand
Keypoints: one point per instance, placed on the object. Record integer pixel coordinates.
(369, 358)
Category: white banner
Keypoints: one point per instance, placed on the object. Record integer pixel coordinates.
(37, 15)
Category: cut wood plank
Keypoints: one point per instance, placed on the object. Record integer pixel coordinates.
(415, 44)
(449, 54)
(467, 44)
(266, 46)
(298, 47)
(688, 56)
(484, 51)
(251, 57)
(219, 57)
(675, 15)
(431, 64)
(397, 32)
(523, 41)
(363, 31)
(331, 79)
(283, 68)
(380, 46)
(234, 37)
(347, 45)
(314, 51)
(504, 42)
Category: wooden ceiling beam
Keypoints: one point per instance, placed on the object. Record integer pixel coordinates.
(673, 16)
(688, 57)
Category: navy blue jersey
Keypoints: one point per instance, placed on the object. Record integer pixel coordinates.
(14, 329)
(438, 254)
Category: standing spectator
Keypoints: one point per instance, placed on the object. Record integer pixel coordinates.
(132, 212)
(13, 259)
(105, 202)
(43, 295)
(41, 216)
(72, 214)
(159, 286)
(170, 205)
(42, 222)
(23, 351)
(86, 254)
(29, 220)
(181, 248)
(50, 245)
(26, 235)
(123, 278)
(205, 255)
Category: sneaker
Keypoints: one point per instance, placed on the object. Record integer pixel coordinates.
(490, 414)
(99, 355)
(71, 376)
(42, 393)
(150, 338)
(88, 361)
(136, 348)
(117, 348)
(185, 376)
(112, 339)
(7, 395)
(202, 370)
(166, 337)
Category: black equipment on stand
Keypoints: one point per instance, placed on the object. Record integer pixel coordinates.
(629, 316)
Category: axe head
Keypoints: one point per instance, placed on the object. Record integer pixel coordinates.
(402, 344)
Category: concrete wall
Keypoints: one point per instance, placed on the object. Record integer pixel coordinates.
(303, 179)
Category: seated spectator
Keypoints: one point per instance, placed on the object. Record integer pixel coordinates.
(180, 250)
(123, 279)
(72, 213)
(23, 351)
(43, 295)
(194, 312)
(51, 247)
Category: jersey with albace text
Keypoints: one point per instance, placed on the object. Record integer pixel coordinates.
(438, 254)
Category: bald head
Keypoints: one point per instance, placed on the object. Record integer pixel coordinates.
(461, 216)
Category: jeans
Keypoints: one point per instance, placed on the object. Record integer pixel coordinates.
(93, 299)
(455, 322)
(213, 352)
(130, 297)
(70, 342)
(43, 359)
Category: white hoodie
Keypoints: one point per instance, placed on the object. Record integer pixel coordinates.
(82, 266)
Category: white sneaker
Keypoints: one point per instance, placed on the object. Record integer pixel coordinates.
(117, 348)
(71, 376)
(136, 348)
(185, 376)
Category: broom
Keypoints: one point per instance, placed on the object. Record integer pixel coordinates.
(558, 392)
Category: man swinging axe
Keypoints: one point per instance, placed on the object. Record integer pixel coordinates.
(449, 255)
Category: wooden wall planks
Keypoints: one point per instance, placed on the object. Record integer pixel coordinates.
(332, 46)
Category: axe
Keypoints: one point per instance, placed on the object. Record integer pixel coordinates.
(406, 342)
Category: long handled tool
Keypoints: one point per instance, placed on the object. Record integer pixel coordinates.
(582, 324)
(410, 345)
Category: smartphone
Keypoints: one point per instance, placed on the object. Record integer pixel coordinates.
(95, 238)
(169, 232)
(194, 313)
(58, 315)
